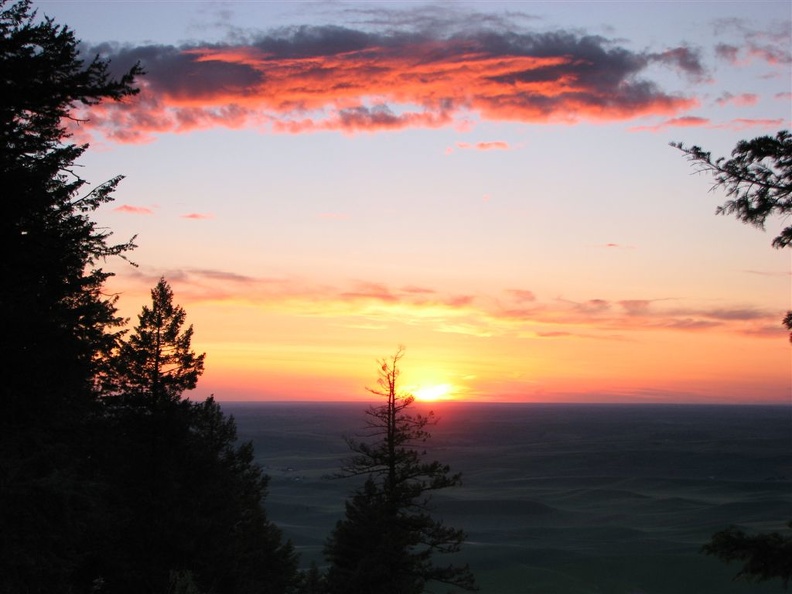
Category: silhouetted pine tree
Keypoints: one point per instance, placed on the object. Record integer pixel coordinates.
(186, 498)
(54, 322)
(388, 540)
(156, 362)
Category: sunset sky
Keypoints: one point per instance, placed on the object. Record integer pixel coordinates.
(489, 184)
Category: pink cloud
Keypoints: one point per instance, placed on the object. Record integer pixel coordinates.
(742, 100)
(681, 122)
(137, 210)
(198, 216)
(736, 124)
(484, 146)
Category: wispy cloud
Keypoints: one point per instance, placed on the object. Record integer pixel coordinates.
(497, 145)
(514, 312)
(137, 210)
(769, 46)
(521, 295)
(741, 100)
(735, 124)
(308, 78)
(198, 216)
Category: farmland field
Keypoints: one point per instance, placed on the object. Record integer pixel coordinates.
(557, 499)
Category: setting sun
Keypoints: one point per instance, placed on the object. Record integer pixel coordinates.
(432, 393)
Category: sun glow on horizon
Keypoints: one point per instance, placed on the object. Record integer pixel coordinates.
(433, 393)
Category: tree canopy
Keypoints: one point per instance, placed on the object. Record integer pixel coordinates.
(764, 556)
(757, 179)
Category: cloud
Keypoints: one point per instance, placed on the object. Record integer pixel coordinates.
(484, 146)
(521, 295)
(199, 216)
(750, 123)
(593, 306)
(741, 100)
(222, 275)
(556, 334)
(355, 303)
(736, 124)
(686, 59)
(418, 290)
(138, 210)
(768, 273)
(769, 46)
(636, 307)
(310, 78)
(616, 246)
(681, 122)
(372, 291)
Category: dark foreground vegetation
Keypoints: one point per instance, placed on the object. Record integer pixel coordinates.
(111, 480)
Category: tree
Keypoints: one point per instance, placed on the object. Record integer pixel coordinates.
(157, 361)
(758, 181)
(764, 556)
(55, 323)
(53, 308)
(387, 541)
(186, 499)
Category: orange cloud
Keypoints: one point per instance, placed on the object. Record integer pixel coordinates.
(307, 79)
(198, 216)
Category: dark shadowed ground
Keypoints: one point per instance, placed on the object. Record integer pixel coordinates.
(558, 499)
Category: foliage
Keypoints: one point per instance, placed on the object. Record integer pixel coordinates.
(764, 556)
(186, 498)
(387, 541)
(156, 360)
(757, 179)
(56, 324)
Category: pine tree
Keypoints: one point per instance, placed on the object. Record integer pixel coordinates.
(186, 499)
(51, 303)
(55, 323)
(156, 361)
(387, 541)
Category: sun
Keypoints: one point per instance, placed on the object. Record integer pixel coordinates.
(432, 393)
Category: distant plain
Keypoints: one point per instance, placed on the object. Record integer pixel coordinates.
(556, 498)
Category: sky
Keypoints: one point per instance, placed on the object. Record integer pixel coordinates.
(488, 184)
